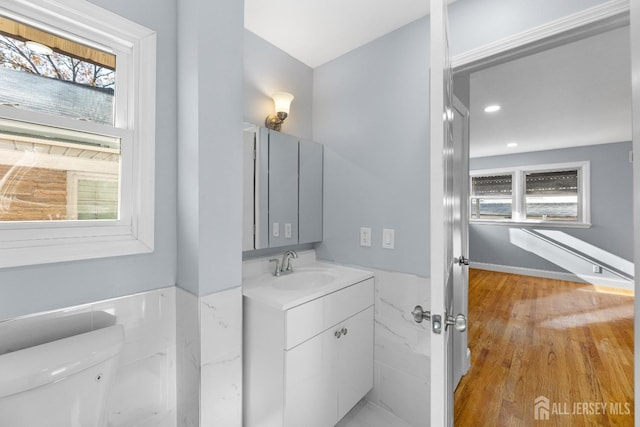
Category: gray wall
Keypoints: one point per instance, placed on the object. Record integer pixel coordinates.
(268, 69)
(611, 206)
(370, 110)
(210, 86)
(37, 288)
(371, 113)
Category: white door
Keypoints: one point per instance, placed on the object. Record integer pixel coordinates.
(461, 353)
(443, 225)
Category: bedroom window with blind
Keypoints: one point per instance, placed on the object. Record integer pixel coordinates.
(556, 194)
(492, 196)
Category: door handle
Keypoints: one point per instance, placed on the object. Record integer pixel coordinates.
(419, 314)
(459, 322)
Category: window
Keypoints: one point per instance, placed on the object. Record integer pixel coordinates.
(555, 194)
(492, 196)
(551, 196)
(77, 130)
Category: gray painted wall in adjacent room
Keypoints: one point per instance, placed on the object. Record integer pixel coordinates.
(26, 290)
(611, 206)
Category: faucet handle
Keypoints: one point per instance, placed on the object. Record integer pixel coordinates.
(277, 270)
(286, 258)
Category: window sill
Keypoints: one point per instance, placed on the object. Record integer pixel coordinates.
(49, 251)
(552, 224)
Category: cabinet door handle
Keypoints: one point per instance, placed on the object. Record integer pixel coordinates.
(344, 331)
(338, 334)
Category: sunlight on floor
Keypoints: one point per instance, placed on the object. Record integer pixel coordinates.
(609, 314)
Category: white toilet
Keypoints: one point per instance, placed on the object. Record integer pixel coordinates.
(63, 383)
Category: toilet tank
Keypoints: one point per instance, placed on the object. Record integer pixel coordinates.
(60, 383)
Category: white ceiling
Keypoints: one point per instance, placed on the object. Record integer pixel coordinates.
(316, 32)
(573, 95)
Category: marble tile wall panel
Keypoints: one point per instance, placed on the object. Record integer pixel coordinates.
(405, 396)
(401, 354)
(221, 347)
(28, 331)
(144, 392)
(149, 321)
(188, 359)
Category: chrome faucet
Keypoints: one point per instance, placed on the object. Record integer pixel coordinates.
(285, 266)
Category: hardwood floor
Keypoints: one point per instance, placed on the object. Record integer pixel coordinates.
(529, 337)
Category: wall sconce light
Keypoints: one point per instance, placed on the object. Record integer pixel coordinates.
(282, 101)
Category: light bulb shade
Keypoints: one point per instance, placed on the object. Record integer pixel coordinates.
(282, 101)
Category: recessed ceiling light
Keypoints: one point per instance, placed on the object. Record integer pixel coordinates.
(39, 48)
(492, 108)
(512, 144)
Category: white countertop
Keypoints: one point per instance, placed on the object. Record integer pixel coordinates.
(265, 287)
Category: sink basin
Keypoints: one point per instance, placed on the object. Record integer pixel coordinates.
(305, 279)
(309, 280)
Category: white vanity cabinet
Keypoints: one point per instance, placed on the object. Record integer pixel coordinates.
(310, 364)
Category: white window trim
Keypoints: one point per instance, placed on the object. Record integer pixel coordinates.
(518, 202)
(46, 242)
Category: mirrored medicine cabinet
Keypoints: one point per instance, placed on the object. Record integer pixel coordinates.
(282, 189)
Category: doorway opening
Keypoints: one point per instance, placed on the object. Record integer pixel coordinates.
(550, 302)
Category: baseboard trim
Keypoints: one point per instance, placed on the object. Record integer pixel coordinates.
(593, 280)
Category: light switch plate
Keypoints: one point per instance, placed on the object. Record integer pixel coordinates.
(287, 231)
(276, 229)
(365, 236)
(388, 238)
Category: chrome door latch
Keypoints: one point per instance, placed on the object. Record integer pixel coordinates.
(436, 324)
(419, 314)
(459, 322)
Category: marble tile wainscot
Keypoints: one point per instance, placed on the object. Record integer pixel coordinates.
(144, 391)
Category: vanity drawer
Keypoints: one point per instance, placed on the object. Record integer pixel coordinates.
(309, 319)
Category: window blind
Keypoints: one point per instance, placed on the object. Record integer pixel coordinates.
(494, 185)
(552, 183)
